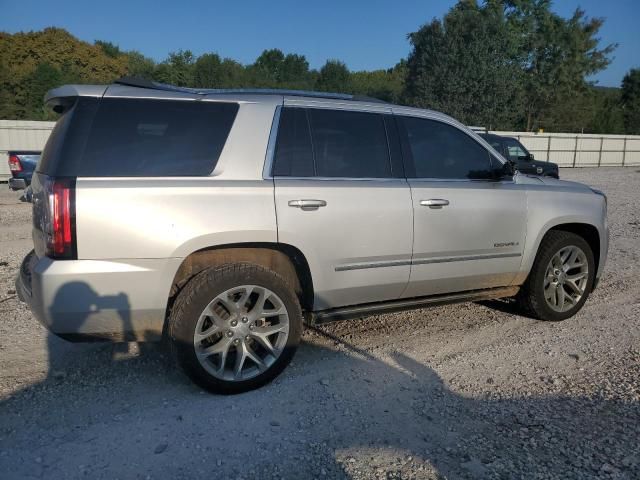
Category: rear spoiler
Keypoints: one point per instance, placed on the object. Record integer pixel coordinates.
(59, 99)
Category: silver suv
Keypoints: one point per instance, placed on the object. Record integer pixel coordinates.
(221, 220)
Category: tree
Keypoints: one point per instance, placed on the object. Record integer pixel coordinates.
(631, 101)
(556, 54)
(485, 64)
(466, 65)
(31, 63)
(294, 72)
(385, 85)
(268, 67)
(139, 66)
(207, 71)
(177, 69)
(109, 49)
(334, 76)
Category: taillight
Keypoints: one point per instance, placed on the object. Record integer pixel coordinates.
(14, 163)
(61, 242)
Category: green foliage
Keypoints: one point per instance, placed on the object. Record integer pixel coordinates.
(109, 49)
(33, 62)
(631, 101)
(507, 63)
(139, 66)
(386, 85)
(334, 76)
(467, 65)
(557, 54)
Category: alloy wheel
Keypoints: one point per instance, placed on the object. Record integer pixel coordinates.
(241, 333)
(566, 278)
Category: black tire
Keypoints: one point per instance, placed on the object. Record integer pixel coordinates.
(531, 300)
(197, 294)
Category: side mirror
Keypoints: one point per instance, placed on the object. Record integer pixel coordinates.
(505, 169)
(530, 157)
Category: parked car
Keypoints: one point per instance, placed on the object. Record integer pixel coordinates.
(221, 219)
(523, 161)
(22, 165)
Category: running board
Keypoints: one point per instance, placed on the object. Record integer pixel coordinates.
(380, 308)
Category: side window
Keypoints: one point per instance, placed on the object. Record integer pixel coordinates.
(349, 144)
(438, 150)
(515, 150)
(293, 155)
(140, 137)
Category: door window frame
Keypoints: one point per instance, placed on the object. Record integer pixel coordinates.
(408, 156)
(392, 137)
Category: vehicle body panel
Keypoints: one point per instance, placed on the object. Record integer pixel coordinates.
(476, 241)
(115, 299)
(128, 218)
(358, 246)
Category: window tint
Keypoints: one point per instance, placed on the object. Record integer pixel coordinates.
(349, 144)
(439, 150)
(293, 155)
(515, 150)
(134, 137)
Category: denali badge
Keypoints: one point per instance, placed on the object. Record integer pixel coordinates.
(506, 244)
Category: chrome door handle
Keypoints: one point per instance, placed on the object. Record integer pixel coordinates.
(307, 204)
(434, 203)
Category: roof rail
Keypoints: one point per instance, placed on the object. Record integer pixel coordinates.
(144, 83)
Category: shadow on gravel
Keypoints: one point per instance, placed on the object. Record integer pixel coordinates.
(335, 413)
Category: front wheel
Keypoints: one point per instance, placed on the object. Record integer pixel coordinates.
(561, 277)
(234, 328)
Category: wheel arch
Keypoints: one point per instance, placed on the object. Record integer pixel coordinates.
(282, 258)
(586, 230)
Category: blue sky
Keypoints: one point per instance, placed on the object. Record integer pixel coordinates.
(364, 34)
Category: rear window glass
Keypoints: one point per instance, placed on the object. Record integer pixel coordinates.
(294, 154)
(138, 137)
(349, 144)
(331, 143)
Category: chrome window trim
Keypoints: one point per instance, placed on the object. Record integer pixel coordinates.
(271, 145)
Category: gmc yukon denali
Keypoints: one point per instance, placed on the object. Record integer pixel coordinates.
(221, 220)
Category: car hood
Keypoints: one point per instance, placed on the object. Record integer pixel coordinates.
(525, 179)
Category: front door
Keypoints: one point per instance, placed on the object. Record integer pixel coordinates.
(469, 228)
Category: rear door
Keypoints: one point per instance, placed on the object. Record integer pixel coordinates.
(342, 200)
(469, 229)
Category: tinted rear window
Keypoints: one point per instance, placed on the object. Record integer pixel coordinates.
(349, 144)
(294, 154)
(138, 137)
(331, 143)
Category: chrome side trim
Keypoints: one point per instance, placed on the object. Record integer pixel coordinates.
(271, 145)
(398, 263)
(464, 258)
(361, 266)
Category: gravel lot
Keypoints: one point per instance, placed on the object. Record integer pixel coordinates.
(462, 391)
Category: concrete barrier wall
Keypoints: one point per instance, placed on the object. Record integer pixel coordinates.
(581, 150)
(565, 149)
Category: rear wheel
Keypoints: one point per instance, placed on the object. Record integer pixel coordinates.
(561, 277)
(234, 328)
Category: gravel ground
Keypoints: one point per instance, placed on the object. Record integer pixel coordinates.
(462, 391)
